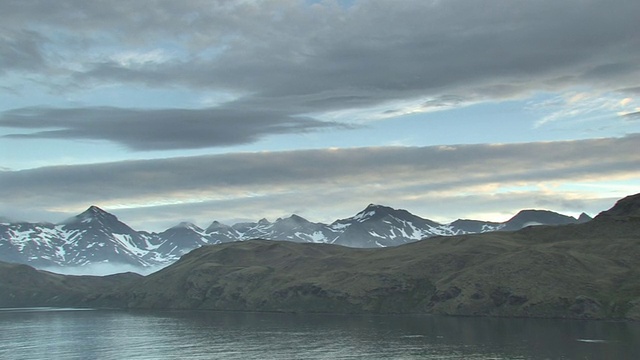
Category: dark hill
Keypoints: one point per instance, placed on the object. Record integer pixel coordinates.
(526, 218)
(24, 286)
(573, 271)
(628, 207)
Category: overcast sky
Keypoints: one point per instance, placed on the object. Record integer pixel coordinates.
(192, 110)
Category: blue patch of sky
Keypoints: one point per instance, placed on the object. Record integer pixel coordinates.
(490, 122)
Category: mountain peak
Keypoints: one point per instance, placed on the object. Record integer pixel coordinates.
(93, 213)
(372, 210)
(97, 216)
(216, 225)
(293, 220)
(296, 218)
(584, 217)
(375, 211)
(530, 217)
(95, 210)
(187, 225)
(375, 207)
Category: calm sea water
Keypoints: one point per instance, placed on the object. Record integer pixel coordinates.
(99, 334)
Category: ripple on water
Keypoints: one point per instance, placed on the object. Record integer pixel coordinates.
(98, 334)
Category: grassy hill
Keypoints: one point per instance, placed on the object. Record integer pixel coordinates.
(24, 286)
(580, 271)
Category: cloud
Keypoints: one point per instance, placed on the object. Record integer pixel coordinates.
(301, 58)
(100, 269)
(158, 129)
(633, 115)
(581, 107)
(252, 185)
(20, 50)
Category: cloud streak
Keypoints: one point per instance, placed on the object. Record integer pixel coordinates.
(161, 129)
(322, 180)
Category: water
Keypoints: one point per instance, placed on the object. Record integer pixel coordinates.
(43, 333)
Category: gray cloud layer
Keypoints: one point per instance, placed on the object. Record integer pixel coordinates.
(318, 58)
(291, 58)
(321, 181)
(158, 129)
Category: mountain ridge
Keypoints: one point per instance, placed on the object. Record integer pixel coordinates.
(589, 270)
(97, 236)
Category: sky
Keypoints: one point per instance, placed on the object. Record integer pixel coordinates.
(201, 110)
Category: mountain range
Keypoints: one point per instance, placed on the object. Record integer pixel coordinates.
(585, 271)
(98, 237)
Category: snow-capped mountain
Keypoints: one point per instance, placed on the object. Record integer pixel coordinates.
(92, 237)
(293, 228)
(96, 236)
(179, 240)
(221, 232)
(381, 226)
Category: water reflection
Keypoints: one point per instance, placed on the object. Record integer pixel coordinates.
(222, 335)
